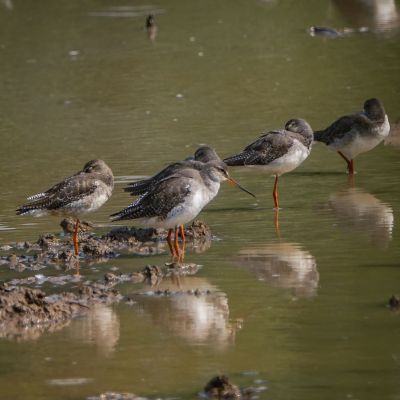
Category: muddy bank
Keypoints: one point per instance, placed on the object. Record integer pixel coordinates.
(26, 313)
(52, 250)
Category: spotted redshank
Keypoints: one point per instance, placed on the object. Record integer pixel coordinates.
(278, 151)
(177, 199)
(84, 192)
(356, 133)
(202, 155)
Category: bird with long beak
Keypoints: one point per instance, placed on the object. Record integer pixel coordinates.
(178, 199)
(277, 152)
(202, 155)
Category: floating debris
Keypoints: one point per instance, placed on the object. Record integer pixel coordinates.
(323, 31)
(394, 303)
(117, 396)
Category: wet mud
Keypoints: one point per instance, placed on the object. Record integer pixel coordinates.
(26, 312)
(52, 250)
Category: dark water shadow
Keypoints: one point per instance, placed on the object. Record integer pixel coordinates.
(321, 173)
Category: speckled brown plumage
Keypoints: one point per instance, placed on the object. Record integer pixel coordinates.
(74, 195)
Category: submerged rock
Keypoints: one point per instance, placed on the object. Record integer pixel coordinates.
(323, 31)
(68, 225)
(394, 303)
(220, 387)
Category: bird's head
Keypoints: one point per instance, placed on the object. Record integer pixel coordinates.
(298, 125)
(374, 110)
(206, 154)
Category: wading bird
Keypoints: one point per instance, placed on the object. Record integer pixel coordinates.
(178, 199)
(356, 133)
(84, 192)
(277, 152)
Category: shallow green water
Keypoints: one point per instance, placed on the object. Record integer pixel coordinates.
(304, 310)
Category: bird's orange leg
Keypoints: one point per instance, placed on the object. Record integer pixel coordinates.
(182, 233)
(75, 237)
(171, 248)
(275, 193)
(76, 245)
(276, 222)
(351, 167)
(350, 163)
(176, 244)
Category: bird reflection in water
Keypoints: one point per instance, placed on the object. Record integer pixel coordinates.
(284, 265)
(100, 326)
(193, 309)
(378, 15)
(360, 211)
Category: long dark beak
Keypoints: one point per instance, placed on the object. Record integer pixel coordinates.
(234, 183)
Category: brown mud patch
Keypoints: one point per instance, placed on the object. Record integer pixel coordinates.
(53, 250)
(26, 313)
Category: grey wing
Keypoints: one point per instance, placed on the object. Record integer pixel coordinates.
(343, 129)
(61, 195)
(54, 188)
(264, 150)
(141, 187)
(159, 201)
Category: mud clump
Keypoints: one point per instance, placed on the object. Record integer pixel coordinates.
(68, 225)
(151, 274)
(97, 248)
(54, 250)
(198, 230)
(220, 387)
(133, 235)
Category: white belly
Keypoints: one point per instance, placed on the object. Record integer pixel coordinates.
(185, 212)
(362, 144)
(288, 162)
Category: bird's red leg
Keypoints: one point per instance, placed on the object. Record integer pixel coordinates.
(276, 222)
(182, 233)
(350, 163)
(171, 248)
(76, 245)
(75, 237)
(351, 167)
(275, 193)
(176, 245)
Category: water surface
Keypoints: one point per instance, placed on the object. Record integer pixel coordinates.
(302, 310)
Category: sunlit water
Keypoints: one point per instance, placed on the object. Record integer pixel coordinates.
(302, 309)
